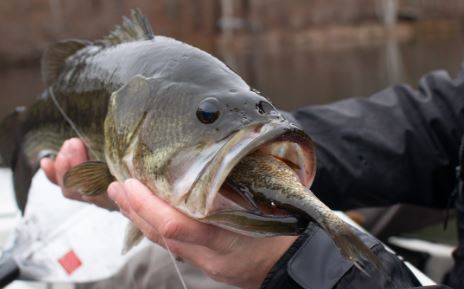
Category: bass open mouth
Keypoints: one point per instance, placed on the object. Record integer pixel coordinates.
(280, 140)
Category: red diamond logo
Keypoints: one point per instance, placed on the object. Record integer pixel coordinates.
(70, 262)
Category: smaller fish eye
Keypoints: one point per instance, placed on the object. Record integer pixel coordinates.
(208, 110)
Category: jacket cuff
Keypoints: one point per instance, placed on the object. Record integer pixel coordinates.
(278, 276)
(313, 261)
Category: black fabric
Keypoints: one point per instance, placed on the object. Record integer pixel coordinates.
(306, 268)
(278, 276)
(396, 274)
(318, 264)
(455, 277)
(397, 146)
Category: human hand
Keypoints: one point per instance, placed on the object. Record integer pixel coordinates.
(72, 153)
(223, 255)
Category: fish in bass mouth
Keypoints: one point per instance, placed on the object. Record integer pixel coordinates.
(235, 207)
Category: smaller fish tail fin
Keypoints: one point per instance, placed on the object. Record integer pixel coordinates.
(352, 248)
(137, 27)
(350, 245)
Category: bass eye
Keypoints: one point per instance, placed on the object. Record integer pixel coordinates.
(208, 110)
(264, 107)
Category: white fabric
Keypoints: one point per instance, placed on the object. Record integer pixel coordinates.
(53, 226)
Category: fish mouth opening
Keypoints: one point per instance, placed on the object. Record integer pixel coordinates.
(280, 140)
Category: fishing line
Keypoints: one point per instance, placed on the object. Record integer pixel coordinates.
(71, 123)
(173, 259)
(132, 280)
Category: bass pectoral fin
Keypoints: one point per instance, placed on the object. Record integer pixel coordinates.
(132, 238)
(91, 178)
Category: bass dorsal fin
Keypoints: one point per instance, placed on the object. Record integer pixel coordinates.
(132, 29)
(54, 58)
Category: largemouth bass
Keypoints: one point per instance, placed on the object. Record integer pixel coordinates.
(180, 121)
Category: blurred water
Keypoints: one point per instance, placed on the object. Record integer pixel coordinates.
(19, 86)
(295, 77)
(292, 77)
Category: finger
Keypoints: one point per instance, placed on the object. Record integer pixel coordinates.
(48, 166)
(171, 223)
(210, 261)
(102, 201)
(116, 192)
(215, 264)
(189, 252)
(72, 153)
(62, 162)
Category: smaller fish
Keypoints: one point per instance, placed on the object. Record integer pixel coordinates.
(273, 188)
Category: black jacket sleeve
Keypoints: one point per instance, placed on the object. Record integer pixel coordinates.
(397, 146)
(313, 262)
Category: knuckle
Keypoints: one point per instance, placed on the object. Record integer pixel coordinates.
(175, 249)
(214, 271)
(171, 229)
(152, 235)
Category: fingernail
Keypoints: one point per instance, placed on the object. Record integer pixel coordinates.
(44, 162)
(115, 191)
(64, 145)
(66, 150)
(131, 185)
(72, 146)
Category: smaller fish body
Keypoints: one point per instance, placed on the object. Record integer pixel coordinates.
(274, 184)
